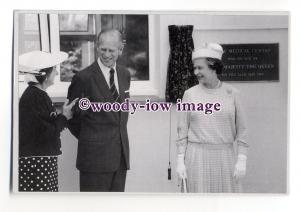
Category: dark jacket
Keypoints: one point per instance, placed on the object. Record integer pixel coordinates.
(39, 126)
(102, 136)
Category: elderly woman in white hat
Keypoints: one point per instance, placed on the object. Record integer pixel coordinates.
(39, 123)
(205, 145)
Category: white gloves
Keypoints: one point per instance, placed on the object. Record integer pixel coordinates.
(180, 169)
(240, 167)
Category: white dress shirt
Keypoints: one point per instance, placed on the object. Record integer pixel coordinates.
(106, 72)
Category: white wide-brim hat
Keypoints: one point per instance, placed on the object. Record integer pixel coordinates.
(212, 50)
(32, 62)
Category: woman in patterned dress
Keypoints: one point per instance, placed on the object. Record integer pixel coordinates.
(206, 156)
(39, 123)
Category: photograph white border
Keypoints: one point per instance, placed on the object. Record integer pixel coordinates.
(158, 203)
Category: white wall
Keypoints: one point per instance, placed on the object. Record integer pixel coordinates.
(265, 104)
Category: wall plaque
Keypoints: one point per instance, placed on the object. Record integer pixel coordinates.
(250, 62)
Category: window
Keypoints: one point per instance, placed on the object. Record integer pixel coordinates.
(77, 38)
(78, 34)
(29, 33)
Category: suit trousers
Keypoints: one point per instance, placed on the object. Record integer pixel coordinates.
(104, 182)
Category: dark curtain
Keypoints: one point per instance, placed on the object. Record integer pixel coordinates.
(180, 68)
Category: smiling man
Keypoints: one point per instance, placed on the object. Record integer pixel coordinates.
(103, 148)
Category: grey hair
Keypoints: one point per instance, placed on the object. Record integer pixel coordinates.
(113, 32)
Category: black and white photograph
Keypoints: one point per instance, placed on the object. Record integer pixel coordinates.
(150, 102)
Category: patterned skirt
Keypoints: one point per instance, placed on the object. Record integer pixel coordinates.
(38, 174)
(210, 168)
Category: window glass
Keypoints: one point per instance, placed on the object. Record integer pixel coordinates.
(29, 33)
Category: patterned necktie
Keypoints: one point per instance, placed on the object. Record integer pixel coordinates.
(113, 89)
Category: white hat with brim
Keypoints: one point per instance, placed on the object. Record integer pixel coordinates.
(32, 62)
(212, 50)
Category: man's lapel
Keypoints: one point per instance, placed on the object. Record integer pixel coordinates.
(121, 83)
(103, 86)
(101, 83)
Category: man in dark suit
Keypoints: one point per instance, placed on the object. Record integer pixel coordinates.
(103, 149)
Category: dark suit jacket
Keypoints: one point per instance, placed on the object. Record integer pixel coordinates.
(100, 134)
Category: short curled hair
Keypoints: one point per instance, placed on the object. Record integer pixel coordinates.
(215, 64)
